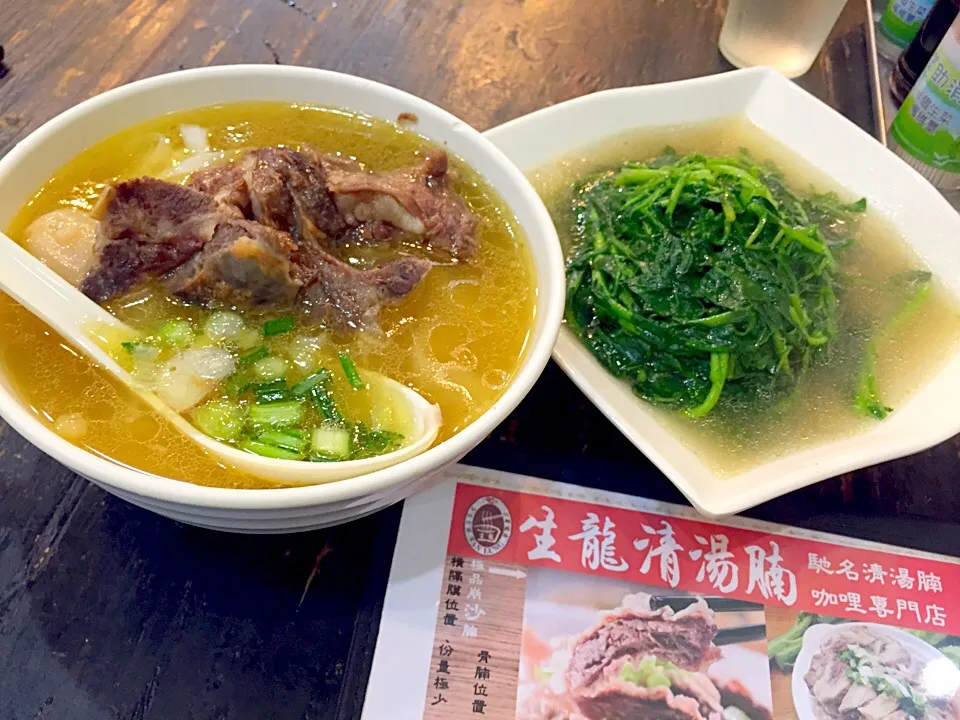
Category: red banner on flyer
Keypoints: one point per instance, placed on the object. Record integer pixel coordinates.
(706, 558)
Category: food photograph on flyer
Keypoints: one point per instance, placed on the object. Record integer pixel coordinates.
(829, 668)
(554, 607)
(589, 650)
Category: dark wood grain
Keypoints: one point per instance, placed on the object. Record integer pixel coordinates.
(107, 611)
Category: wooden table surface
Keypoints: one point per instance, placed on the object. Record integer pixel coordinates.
(107, 611)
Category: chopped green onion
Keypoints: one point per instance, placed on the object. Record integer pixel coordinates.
(270, 392)
(223, 325)
(271, 451)
(247, 338)
(321, 458)
(350, 370)
(270, 367)
(369, 443)
(332, 442)
(278, 326)
(276, 414)
(219, 419)
(178, 333)
(303, 388)
(141, 350)
(236, 384)
(288, 439)
(251, 357)
(325, 405)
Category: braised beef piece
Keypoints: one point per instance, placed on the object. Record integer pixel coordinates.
(256, 233)
(226, 183)
(148, 227)
(684, 639)
(344, 297)
(619, 700)
(415, 200)
(734, 693)
(278, 187)
(245, 264)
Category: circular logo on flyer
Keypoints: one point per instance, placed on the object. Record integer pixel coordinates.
(487, 526)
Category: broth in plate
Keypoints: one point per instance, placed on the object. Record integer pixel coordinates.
(734, 436)
(457, 338)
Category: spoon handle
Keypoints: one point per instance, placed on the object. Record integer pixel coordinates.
(73, 315)
(51, 298)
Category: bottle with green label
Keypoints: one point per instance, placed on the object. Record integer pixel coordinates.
(899, 24)
(926, 129)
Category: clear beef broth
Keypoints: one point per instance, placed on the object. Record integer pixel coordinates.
(457, 339)
(734, 438)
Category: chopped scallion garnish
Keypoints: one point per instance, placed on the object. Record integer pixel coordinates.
(277, 414)
(325, 405)
(303, 388)
(288, 439)
(271, 451)
(270, 367)
(331, 442)
(178, 333)
(350, 370)
(220, 419)
(270, 392)
(278, 326)
(251, 357)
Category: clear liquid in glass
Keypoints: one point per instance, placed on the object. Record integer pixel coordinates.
(783, 34)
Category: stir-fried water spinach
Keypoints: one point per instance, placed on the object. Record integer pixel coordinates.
(700, 278)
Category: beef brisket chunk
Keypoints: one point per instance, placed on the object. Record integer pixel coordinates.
(227, 185)
(345, 298)
(148, 228)
(619, 700)
(245, 264)
(277, 187)
(416, 200)
(734, 693)
(684, 639)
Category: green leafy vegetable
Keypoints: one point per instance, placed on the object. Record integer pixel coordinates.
(700, 278)
(784, 649)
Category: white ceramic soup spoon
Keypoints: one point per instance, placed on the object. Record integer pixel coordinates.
(75, 317)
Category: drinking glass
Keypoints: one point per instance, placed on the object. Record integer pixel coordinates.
(783, 34)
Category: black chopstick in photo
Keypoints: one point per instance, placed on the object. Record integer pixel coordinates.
(717, 604)
(738, 635)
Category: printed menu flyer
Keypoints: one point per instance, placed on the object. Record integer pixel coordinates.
(515, 597)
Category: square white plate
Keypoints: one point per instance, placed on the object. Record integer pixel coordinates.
(837, 148)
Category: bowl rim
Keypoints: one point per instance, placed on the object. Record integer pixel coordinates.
(549, 313)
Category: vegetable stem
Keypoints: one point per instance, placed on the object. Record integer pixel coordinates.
(719, 364)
